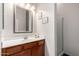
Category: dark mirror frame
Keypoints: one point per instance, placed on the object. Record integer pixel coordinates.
(3, 16)
(15, 25)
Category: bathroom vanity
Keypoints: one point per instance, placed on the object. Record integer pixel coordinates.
(32, 48)
(23, 22)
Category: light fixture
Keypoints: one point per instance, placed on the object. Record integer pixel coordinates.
(22, 4)
(32, 8)
(16, 3)
(27, 6)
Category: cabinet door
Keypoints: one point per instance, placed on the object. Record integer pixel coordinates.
(11, 50)
(24, 53)
(38, 50)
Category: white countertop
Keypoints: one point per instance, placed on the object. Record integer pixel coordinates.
(9, 43)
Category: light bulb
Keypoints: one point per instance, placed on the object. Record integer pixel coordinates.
(16, 3)
(28, 6)
(22, 4)
(33, 8)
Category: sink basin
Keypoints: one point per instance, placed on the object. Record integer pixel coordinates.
(12, 41)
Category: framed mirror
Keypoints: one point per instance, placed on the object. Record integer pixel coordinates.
(23, 20)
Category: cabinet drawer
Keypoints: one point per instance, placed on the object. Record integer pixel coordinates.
(23, 53)
(11, 50)
(30, 45)
(41, 42)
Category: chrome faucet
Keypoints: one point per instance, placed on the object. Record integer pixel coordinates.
(36, 35)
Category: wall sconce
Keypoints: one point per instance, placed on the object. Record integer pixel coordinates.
(32, 8)
(26, 6)
(22, 4)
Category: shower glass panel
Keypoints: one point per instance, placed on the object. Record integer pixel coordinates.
(59, 35)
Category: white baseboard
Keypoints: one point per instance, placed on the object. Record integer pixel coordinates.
(61, 53)
(65, 53)
(68, 53)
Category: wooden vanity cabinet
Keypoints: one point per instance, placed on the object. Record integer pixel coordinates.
(11, 50)
(23, 53)
(39, 49)
(36, 48)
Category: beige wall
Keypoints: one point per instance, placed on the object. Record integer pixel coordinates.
(47, 29)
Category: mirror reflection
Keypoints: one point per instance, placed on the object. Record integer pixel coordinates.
(23, 20)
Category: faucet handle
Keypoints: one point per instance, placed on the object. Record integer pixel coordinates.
(36, 35)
